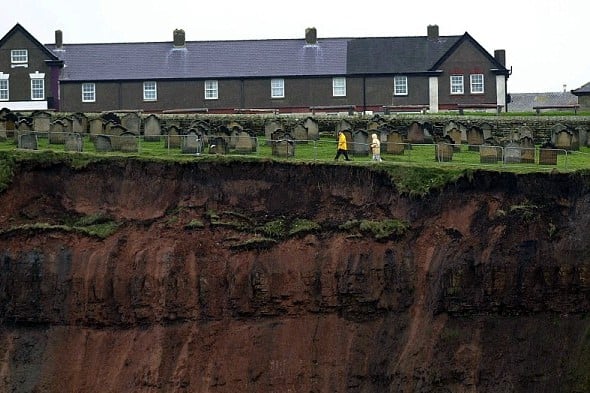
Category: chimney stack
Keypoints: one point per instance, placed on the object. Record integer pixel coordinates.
(500, 56)
(59, 41)
(432, 32)
(179, 40)
(311, 36)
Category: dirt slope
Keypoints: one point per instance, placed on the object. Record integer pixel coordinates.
(487, 290)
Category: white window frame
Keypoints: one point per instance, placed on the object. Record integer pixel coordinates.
(400, 85)
(277, 88)
(456, 84)
(476, 83)
(339, 87)
(37, 86)
(19, 56)
(88, 92)
(150, 91)
(211, 90)
(4, 87)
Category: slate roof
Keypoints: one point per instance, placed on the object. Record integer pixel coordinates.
(524, 102)
(584, 90)
(396, 54)
(204, 59)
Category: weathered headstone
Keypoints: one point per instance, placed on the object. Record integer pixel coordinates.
(455, 136)
(360, 143)
(563, 140)
(218, 145)
(102, 143)
(395, 143)
(300, 133)
(79, 123)
(172, 140)
(41, 121)
(415, 133)
(96, 126)
(73, 143)
(444, 150)
(116, 130)
(282, 144)
(313, 128)
(271, 126)
(245, 142)
(127, 142)
(24, 126)
(57, 133)
(512, 153)
(190, 143)
(474, 138)
(547, 154)
(152, 130)
(132, 122)
(489, 154)
(27, 140)
(527, 152)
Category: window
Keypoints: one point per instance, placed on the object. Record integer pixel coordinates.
(4, 87)
(400, 85)
(37, 86)
(211, 90)
(19, 56)
(476, 83)
(88, 92)
(339, 87)
(277, 88)
(456, 84)
(150, 91)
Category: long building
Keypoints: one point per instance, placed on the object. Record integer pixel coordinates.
(379, 74)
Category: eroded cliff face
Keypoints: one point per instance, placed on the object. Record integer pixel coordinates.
(486, 291)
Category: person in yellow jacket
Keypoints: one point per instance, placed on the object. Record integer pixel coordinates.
(342, 148)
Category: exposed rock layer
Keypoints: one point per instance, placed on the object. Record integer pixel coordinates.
(487, 291)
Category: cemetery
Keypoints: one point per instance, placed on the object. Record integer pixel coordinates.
(536, 142)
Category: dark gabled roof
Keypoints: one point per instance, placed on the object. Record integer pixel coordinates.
(396, 54)
(466, 37)
(18, 28)
(582, 91)
(203, 59)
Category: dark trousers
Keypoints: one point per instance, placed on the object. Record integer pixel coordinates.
(342, 152)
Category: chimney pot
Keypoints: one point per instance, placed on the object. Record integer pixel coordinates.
(179, 40)
(432, 31)
(59, 42)
(311, 36)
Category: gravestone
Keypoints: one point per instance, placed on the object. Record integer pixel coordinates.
(525, 131)
(487, 130)
(132, 122)
(283, 144)
(444, 150)
(415, 133)
(527, 152)
(455, 136)
(190, 143)
(300, 133)
(343, 125)
(395, 143)
(96, 127)
(152, 130)
(3, 136)
(245, 142)
(547, 154)
(360, 143)
(271, 126)
(79, 123)
(27, 140)
(68, 122)
(41, 121)
(512, 153)
(108, 126)
(172, 140)
(73, 143)
(116, 130)
(563, 140)
(126, 142)
(102, 143)
(24, 125)
(313, 128)
(218, 145)
(575, 139)
(489, 154)
(474, 138)
(583, 135)
(57, 133)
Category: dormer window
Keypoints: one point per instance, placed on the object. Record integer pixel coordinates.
(19, 57)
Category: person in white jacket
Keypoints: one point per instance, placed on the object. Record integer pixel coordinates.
(375, 148)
